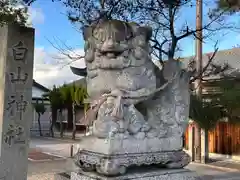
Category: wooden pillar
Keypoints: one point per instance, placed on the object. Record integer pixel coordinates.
(198, 83)
(191, 138)
(204, 146)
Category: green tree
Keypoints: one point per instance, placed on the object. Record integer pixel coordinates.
(229, 98)
(224, 102)
(65, 91)
(79, 93)
(40, 110)
(232, 6)
(205, 113)
(56, 103)
(13, 12)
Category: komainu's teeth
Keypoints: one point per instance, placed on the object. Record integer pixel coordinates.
(111, 55)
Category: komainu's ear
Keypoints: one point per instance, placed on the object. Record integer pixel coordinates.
(171, 67)
(87, 32)
(146, 31)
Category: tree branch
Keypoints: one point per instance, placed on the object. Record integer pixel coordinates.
(66, 52)
(210, 59)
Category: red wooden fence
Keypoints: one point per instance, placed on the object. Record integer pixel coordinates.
(223, 139)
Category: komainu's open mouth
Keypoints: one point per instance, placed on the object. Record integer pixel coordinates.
(111, 54)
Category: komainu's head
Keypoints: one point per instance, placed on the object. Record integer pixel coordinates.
(116, 44)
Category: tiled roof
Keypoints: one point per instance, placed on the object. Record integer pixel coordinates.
(40, 86)
(229, 56)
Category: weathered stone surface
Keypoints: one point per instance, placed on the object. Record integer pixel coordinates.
(109, 157)
(16, 73)
(142, 174)
(136, 109)
(118, 164)
(108, 48)
(119, 64)
(121, 145)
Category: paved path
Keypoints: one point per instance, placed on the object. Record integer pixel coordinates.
(226, 164)
(57, 146)
(46, 171)
(214, 173)
(219, 170)
(48, 141)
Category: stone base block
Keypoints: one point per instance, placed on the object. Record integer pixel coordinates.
(142, 174)
(115, 156)
(119, 164)
(131, 145)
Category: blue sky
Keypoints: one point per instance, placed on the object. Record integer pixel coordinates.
(55, 24)
(51, 23)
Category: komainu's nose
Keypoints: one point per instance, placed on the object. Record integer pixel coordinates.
(108, 45)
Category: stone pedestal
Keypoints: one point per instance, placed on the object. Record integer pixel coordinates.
(141, 173)
(115, 156)
(16, 79)
(124, 159)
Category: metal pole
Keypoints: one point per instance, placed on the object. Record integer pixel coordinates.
(199, 7)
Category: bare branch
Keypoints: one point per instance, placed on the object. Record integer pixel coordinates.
(205, 27)
(159, 46)
(162, 15)
(66, 52)
(210, 59)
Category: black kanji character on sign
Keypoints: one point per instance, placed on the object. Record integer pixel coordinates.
(10, 104)
(19, 76)
(14, 134)
(21, 106)
(19, 52)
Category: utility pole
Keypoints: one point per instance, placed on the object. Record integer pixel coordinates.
(198, 82)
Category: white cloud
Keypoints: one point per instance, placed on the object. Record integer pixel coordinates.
(36, 16)
(49, 70)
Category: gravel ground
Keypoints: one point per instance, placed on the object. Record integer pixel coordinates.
(46, 170)
(46, 176)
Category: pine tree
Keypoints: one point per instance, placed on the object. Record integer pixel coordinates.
(231, 6)
(224, 103)
(13, 12)
(40, 110)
